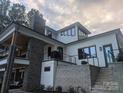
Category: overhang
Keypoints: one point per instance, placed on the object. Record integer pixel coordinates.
(7, 33)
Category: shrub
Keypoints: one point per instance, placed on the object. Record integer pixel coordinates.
(59, 89)
(42, 87)
(49, 88)
(120, 56)
(71, 90)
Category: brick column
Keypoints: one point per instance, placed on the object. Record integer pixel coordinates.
(33, 71)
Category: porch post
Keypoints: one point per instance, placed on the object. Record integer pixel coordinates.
(10, 61)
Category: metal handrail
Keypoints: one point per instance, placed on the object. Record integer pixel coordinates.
(112, 53)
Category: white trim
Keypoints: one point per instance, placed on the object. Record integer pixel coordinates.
(7, 34)
(17, 61)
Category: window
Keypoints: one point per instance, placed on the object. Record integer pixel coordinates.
(72, 32)
(49, 51)
(66, 33)
(93, 51)
(46, 69)
(60, 50)
(81, 34)
(62, 33)
(49, 34)
(87, 52)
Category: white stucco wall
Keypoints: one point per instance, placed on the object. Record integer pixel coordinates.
(47, 78)
(99, 42)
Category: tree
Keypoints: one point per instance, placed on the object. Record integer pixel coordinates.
(4, 5)
(4, 20)
(17, 13)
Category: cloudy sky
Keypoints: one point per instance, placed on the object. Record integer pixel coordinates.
(95, 15)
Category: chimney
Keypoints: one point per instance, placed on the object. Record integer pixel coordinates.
(37, 23)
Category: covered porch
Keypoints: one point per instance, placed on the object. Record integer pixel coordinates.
(29, 50)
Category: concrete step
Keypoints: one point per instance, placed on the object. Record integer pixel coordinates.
(99, 91)
(104, 78)
(106, 72)
(101, 82)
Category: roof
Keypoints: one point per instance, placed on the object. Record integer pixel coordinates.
(51, 29)
(78, 24)
(41, 36)
(95, 36)
(27, 31)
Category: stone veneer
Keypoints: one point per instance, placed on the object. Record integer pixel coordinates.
(33, 71)
(75, 76)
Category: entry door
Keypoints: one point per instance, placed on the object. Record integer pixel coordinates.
(108, 54)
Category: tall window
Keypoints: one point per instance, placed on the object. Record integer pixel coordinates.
(60, 50)
(49, 51)
(73, 32)
(87, 52)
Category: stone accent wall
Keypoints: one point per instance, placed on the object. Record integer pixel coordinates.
(37, 23)
(73, 75)
(33, 71)
(94, 71)
(118, 74)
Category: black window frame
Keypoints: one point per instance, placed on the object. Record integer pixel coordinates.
(82, 56)
(49, 51)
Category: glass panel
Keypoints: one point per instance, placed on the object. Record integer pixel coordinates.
(73, 32)
(69, 32)
(81, 34)
(80, 54)
(62, 33)
(87, 52)
(93, 51)
(108, 54)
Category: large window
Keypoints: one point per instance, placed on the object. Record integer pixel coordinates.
(87, 52)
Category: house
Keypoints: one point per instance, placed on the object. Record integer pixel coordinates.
(41, 50)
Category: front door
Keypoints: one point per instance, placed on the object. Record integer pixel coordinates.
(108, 54)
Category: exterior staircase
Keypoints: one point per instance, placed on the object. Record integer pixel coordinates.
(104, 82)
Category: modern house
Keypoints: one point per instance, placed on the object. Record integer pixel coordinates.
(41, 50)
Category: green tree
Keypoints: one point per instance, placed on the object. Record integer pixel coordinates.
(4, 5)
(17, 13)
(4, 20)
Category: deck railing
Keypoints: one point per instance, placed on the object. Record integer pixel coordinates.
(115, 55)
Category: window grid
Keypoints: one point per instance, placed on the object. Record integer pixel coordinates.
(87, 52)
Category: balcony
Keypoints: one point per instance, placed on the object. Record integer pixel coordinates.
(20, 61)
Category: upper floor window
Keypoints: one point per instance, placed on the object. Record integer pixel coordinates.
(73, 32)
(69, 32)
(87, 52)
(81, 34)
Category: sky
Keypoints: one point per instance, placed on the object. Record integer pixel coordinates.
(95, 15)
